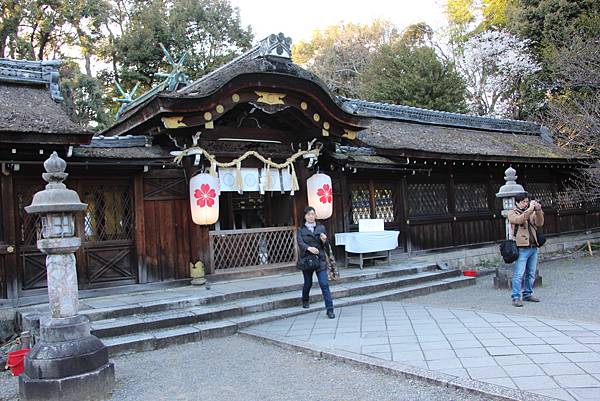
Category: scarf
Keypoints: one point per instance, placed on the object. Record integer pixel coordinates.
(311, 226)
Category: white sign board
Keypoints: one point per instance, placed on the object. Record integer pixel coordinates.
(368, 225)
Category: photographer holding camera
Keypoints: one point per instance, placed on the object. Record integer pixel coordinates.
(525, 219)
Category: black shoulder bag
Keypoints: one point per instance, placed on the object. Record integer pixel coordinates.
(509, 249)
(310, 262)
(541, 238)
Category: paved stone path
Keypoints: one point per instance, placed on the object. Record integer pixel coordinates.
(239, 369)
(556, 358)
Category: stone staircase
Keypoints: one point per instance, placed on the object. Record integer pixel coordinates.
(147, 321)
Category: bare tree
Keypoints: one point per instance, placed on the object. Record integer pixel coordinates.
(574, 111)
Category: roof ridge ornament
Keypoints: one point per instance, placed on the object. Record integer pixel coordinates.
(276, 45)
(126, 97)
(176, 76)
(172, 80)
(33, 72)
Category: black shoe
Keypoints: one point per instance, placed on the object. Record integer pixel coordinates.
(305, 305)
(330, 314)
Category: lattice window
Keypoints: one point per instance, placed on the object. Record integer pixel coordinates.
(30, 225)
(593, 202)
(542, 191)
(470, 197)
(253, 248)
(109, 215)
(360, 199)
(427, 199)
(384, 202)
(566, 200)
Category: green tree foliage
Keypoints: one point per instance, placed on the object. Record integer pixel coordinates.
(125, 36)
(470, 17)
(84, 97)
(551, 24)
(340, 53)
(412, 74)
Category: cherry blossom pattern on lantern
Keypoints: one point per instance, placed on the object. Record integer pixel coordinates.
(325, 194)
(205, 195)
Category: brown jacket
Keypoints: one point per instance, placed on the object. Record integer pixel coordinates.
(523, 220)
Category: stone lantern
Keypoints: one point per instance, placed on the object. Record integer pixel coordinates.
(67, 362)
(507, 193)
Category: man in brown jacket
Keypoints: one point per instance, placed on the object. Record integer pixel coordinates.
(527, 217)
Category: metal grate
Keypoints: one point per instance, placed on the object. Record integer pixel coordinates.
(254, 247)
(384, 202)
(470, 197)
(542, 191)
(360, 202)
(109, 214)
(427, 199)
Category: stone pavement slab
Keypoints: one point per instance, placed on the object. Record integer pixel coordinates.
(549, 357)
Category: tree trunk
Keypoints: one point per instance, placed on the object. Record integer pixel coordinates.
(3, 39)
(88, 65)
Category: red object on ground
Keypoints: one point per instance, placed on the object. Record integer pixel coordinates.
(15, 361)
(470, 273)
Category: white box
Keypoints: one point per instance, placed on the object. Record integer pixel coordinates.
(366, 225)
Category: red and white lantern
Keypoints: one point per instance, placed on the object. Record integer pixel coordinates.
(320, 195)
(204, 199)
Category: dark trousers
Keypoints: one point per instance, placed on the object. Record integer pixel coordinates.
(323, 283)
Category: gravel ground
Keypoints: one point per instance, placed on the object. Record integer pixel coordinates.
(571, 290)
(236, 368)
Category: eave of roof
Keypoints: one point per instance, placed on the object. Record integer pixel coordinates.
(394, 137)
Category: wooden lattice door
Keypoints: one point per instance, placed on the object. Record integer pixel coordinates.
(31, 265)
(108, 233)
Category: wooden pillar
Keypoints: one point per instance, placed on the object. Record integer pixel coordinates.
(140, 227)
(300, 200)
(404, 222)
(344, 198)
(81, 252)
(9, 210)
(452, 206)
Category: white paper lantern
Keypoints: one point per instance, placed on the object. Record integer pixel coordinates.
(204, 199)
(320, 195)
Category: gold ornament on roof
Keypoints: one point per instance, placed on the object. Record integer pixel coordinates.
(270, 97)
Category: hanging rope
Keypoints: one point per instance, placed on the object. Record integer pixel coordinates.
(289, 163)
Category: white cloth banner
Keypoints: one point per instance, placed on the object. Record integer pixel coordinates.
(249, 178)
(253, 180)
(277, 178)
(370, 241)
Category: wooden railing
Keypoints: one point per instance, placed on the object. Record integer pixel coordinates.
(252, 248)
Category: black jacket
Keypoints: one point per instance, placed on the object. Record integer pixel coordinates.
(306, 239)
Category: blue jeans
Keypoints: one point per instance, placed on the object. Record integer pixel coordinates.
(525, 265)
(323, 283)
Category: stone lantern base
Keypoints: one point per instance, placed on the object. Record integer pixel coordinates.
(68, 363)
(503, 278)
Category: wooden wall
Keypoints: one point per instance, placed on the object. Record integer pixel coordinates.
(171, 240)
(448, 207)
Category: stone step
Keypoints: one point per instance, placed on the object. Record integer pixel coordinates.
(180, 334)
(187, 297)
(197, 314)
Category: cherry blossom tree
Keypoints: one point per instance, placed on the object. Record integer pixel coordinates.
(494, 65)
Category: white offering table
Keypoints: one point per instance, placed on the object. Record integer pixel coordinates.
(367, 245)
